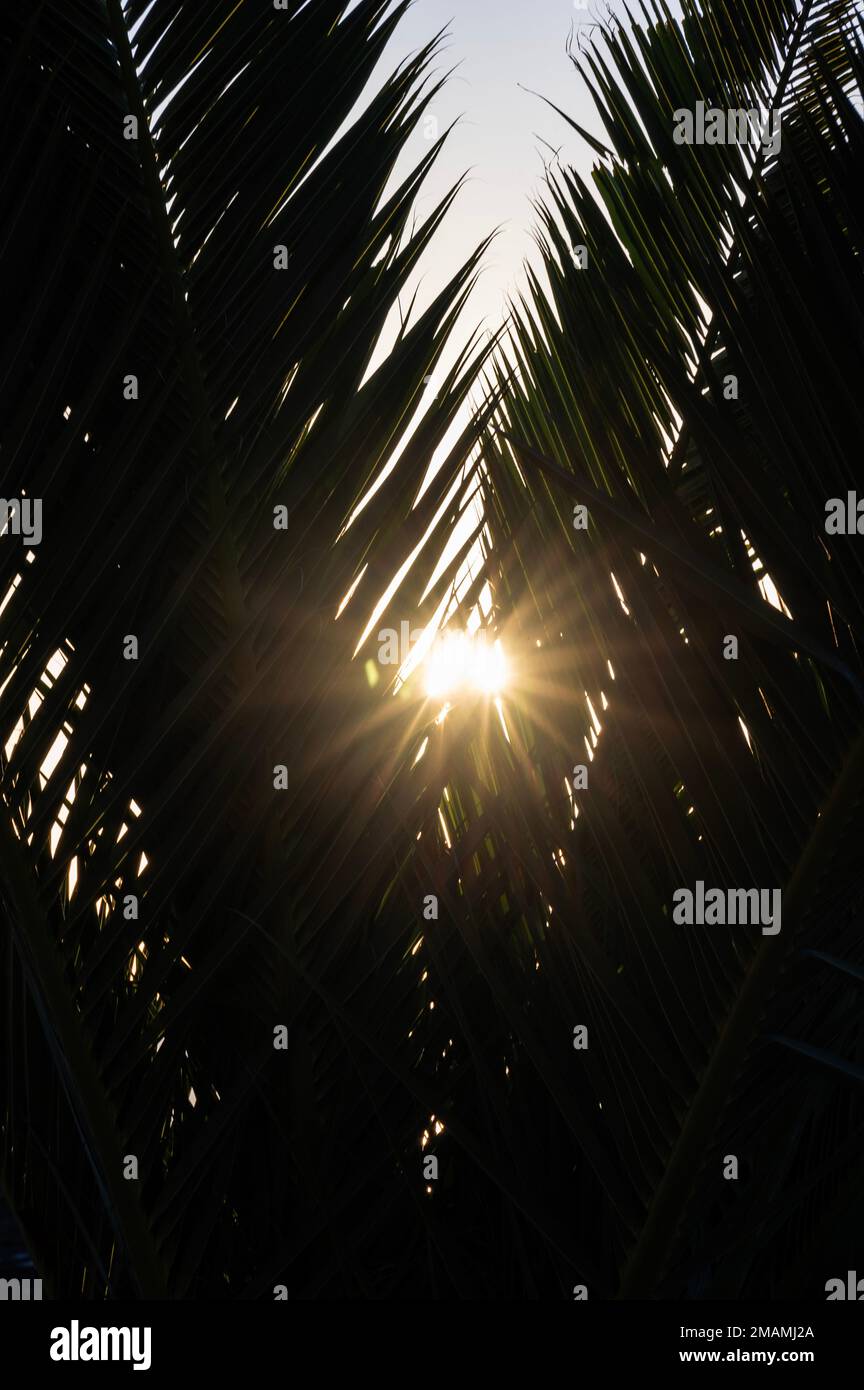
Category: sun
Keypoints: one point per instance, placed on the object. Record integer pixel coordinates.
(467, 662)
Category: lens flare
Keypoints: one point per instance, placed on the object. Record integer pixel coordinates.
(461, 661)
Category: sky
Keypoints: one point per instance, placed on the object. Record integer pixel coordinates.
(505, 53)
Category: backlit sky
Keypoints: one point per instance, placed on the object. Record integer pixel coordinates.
(508, 55)
(504, 52)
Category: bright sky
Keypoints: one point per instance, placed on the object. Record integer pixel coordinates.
(504, 51)
(508, 55)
